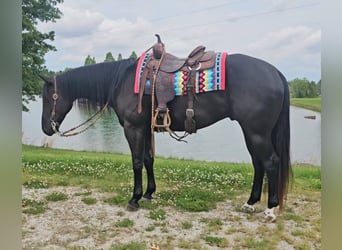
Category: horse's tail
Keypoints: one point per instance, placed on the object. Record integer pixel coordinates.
(281, 143)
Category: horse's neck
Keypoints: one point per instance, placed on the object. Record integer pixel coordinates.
(99, 87)
(94, 91)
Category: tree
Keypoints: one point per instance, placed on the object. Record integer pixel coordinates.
(119, 57)
(301, 88)
(133, 55)
(34, 44)
(109, 57)
(312, 91)
(319, 86)
(89, 60)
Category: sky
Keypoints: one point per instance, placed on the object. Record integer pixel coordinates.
(285, 33)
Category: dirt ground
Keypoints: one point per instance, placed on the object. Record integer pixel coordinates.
(72, 224)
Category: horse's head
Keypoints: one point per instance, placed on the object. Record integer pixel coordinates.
(55, 106)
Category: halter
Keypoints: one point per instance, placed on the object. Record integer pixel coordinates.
(92, 120)
(53, 112)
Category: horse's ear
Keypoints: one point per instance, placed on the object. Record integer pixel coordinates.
(45, 79)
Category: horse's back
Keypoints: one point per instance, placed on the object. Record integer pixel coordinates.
(253, 96)
(246, 72)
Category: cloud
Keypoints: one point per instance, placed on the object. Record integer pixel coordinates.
(91, 28)
(294, 41)
(295, 50)
(281, 4)
(75, 22)
(83, 32)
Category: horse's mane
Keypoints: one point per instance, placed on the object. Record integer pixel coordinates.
(99, 82)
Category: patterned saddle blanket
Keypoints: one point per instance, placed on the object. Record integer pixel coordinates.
(207, 79)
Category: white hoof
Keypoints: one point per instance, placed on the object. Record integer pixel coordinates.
(269, 215)
(248, 208)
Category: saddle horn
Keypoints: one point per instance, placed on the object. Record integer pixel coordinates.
(158, 38)
(158, 48)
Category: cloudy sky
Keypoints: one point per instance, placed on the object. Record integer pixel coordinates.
(285, 33)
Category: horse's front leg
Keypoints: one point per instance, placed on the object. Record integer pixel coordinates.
(136, 140)
(148, 162)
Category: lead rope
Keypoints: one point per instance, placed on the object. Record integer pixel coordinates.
(93, 119)
(98, 114)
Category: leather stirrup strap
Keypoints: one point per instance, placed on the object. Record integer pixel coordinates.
(190, 123)
(190, 86)
(142, 87)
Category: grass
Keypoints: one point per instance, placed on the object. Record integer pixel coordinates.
(89, 200)
(45, 167)
(159, 214)
(216, 241)
(129, 246)
(124, 223)
(56, 196)
(307, 103)
(33, 207)
(184, 184)
(186, 225)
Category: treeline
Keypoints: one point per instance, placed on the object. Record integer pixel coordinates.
(108, 58)
(303, 88)
(91, 60)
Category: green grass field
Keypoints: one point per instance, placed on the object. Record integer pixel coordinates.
(307, 103)
(185, 184)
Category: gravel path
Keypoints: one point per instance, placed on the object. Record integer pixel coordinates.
(72, 224)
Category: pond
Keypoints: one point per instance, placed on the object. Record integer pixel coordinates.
(222, 141)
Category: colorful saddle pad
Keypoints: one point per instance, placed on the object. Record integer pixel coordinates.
(206, 80)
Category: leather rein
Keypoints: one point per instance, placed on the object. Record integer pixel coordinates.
(71, 132)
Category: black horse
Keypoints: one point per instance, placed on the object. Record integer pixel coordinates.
(256, 95)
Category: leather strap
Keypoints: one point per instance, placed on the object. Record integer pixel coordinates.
(190, 123)
(142, 86)
(190, 88)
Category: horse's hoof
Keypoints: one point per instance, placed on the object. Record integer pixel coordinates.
(269, 215)
(248, 208)
(132, 208)
(147, 197)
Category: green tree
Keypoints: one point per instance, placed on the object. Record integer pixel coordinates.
(319, 86)
(133, 55)
(35, 44)
(312, 91)
(109, 57)
(89, 60)
(301, 88)
(119, 57)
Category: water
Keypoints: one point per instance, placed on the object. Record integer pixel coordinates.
(222, 141)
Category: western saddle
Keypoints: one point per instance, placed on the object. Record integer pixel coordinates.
(159, 70)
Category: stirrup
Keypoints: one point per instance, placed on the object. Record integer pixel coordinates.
(166, 120)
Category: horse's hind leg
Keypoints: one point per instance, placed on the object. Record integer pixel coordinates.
(272, 170)
(255, 195)
(259, 173)
(264, 160)
(148, 162)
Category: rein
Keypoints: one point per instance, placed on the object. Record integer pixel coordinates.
(71, 132)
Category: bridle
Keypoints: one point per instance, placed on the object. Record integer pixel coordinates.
(71, 132)
(53, 112)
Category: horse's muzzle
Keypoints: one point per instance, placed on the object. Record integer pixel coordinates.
(50, 129)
